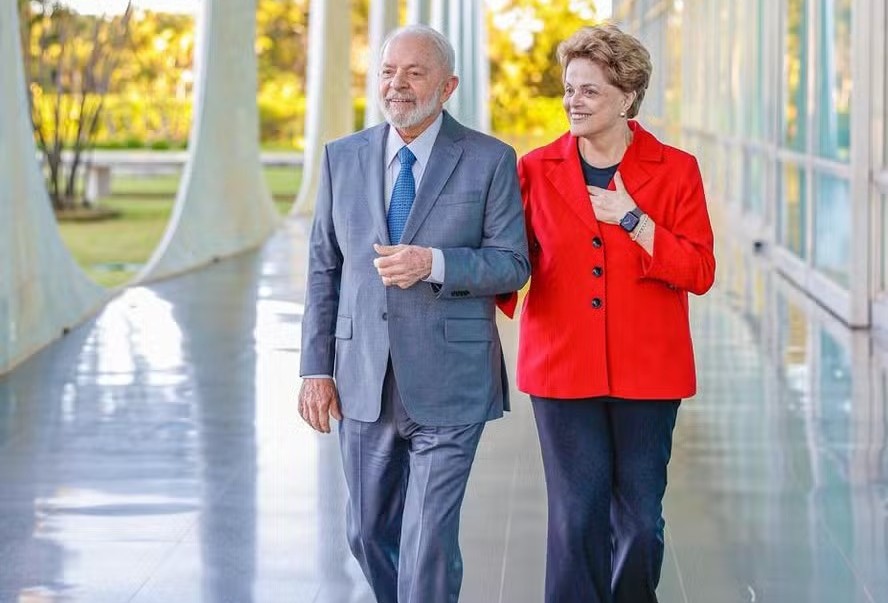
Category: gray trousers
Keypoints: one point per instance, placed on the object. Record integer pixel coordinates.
(406, 484)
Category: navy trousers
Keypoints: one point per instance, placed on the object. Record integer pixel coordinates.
(406, 484)
(605, 462)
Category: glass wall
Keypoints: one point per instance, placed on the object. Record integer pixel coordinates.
(832, 227)
(672, 72)
(833, 74)
(754, 71)
(766, 90)
(881, 242)
(792, 210)
(754, 189)
(795, 76)
(883, 246)
(734, 180)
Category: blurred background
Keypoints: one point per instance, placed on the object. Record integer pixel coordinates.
(111, 76)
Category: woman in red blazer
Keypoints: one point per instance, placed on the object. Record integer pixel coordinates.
(619, 234)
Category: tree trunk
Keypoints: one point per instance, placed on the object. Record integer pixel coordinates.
(54, 69)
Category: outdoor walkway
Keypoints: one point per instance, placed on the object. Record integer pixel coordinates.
(155, 455)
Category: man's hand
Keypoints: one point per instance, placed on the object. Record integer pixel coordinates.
(611, 206)
(402, 265)
(318, 401)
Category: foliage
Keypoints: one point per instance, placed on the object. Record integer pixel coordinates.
(525, 76)
(281, 43)
(128, 121)
(148, 103)
(282, 111)
(70, 62)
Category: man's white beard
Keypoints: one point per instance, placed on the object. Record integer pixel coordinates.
(413, 117)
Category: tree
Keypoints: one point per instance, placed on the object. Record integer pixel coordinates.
(525, 75)
(69, 60)
(281, 38)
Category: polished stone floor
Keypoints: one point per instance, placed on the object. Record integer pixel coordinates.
(155, 455)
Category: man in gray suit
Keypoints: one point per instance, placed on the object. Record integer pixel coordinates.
(418, 227)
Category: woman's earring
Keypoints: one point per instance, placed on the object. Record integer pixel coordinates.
(622, 114)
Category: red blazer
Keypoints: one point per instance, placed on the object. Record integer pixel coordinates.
(602, 317)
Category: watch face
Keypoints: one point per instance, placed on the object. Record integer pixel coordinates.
(629, 222)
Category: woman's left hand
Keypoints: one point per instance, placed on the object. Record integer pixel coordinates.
(611, 206)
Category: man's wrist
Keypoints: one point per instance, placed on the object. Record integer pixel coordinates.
(429, 261)
(437, 268)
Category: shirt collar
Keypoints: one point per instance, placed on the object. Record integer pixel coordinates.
(421, 147)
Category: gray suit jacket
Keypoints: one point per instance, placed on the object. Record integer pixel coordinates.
(443, 339)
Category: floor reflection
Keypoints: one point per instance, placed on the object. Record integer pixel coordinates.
(787, 440)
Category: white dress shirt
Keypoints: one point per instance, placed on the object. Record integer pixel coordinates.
(421, 147)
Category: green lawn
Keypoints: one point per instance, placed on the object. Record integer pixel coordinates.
(281, 182)
(113, 251)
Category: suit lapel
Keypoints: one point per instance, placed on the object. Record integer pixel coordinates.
(372, 157)
(634, 175)
(644, 148)
(567, 178)
(445, 155)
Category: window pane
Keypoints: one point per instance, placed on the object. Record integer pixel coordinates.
(795, 75)
(832, 228)
(672, 74)
(735, 173)
(792, 210)
(833, 116)
(883, 245)
(724, 78)
(751, 60)
(720, 158)
(653, 98)
(754, 197)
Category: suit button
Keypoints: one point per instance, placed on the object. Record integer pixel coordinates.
(597, 271)
(596, 242)
(385, 316)
(596, 302)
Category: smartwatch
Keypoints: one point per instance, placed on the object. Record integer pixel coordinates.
(631, 219)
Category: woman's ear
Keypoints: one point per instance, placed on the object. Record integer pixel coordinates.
(630, 99)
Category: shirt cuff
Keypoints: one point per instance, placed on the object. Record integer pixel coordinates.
(437, 274)
(317, 377)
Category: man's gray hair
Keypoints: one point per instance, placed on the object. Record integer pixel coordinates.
(439, 42)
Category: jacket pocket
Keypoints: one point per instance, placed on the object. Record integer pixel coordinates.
(458, 198)
(468, 329)
(343, 327)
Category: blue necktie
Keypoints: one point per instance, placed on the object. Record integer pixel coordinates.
(402, 196)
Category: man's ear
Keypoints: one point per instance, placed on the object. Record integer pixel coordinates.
(450, 85)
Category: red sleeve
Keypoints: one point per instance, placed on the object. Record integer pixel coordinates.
(683, 253)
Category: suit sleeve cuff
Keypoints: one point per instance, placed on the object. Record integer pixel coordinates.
(437, 274)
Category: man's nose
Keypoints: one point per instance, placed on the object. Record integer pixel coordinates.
(399, 80)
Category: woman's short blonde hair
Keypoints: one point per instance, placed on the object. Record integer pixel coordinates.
(625, 61)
